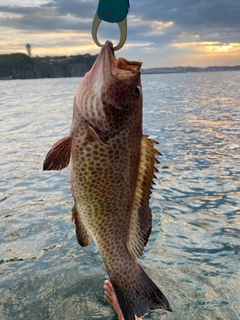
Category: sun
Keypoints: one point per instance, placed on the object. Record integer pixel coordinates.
(224, 48)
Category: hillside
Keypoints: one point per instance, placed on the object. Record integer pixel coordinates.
(21, 66)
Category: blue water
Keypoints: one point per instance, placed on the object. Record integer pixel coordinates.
(194, 250)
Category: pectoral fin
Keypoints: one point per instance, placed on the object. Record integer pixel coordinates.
(94, 134)
(58, 156)
(83, 237)
(141, 218)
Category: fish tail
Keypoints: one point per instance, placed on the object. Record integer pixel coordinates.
(139, 295)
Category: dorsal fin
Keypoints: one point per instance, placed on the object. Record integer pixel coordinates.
(141, 218)
(58, 156)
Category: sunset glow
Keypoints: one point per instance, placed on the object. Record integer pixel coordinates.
(158, 34)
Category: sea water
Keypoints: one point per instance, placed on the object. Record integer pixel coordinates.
(193, 253)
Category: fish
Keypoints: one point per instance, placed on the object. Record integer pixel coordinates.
(113, 167)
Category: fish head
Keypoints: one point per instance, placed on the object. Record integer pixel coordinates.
(114, 93)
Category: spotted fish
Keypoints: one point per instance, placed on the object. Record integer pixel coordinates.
(112, 172)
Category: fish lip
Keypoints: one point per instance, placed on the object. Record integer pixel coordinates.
(104, 66)
(108, 67)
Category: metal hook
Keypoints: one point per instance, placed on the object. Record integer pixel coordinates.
(122, 27)
(114, 11)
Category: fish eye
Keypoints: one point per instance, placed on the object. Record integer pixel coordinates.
(137, 91)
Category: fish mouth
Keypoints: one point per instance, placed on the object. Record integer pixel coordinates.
(107, 66)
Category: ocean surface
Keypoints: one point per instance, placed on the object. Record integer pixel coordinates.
(194, 250)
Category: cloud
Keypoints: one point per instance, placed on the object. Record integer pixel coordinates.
(192, 13)
(45, 18)
(154, 27)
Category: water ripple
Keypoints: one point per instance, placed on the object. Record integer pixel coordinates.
(194, 249)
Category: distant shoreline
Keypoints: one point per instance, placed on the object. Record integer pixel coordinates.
(189, 69)
(144, 72)
(20, 66)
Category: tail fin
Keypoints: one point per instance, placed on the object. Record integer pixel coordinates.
(139, 295)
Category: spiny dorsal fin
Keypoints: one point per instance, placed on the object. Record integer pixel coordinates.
(141, 218)
(58, 156)
(83, 237)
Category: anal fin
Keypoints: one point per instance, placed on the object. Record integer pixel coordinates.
(58, 157)
(83, 237)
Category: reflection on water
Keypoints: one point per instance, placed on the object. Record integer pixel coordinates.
(194, 250)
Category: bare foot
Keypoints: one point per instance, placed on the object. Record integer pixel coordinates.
(112, 299)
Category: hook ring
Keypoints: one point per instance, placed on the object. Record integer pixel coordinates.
(122, 27)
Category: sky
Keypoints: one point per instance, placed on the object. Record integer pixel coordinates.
(161, 33)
